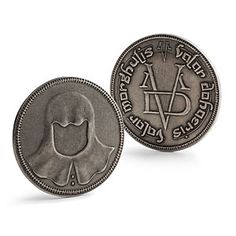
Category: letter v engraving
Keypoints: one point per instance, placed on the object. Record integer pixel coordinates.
(165, 115)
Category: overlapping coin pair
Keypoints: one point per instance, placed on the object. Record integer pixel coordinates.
(68, 134)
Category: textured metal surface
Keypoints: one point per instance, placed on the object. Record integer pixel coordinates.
(167, 92)
(68, 136)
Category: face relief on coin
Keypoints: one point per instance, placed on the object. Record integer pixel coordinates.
(68, 136)
(167, 92)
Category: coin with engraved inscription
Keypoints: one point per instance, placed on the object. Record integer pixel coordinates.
(167, 92)
(68, 136)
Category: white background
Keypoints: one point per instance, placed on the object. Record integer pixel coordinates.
(186, 193)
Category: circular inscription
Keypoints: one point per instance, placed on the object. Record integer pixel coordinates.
(68, 136)
(167, 92)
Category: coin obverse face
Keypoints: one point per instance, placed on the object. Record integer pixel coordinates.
(167, 92)
(68, 136)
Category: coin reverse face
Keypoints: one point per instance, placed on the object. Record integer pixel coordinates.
(68, 136)
(167, 92)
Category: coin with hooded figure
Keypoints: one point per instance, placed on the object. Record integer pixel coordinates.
(68, 136)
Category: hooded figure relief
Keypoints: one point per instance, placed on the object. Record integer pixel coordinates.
(69, 140)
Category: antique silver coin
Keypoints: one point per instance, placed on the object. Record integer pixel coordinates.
(68, 136)
(167, 92)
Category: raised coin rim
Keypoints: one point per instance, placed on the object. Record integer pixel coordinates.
(17, 134)
(211, 70)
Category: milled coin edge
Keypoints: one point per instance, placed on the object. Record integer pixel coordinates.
(213, 75)
(17, 144)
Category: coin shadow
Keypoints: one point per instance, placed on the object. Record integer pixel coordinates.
(46, 198)
(144, 153)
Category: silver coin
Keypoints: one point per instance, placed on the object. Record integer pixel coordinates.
(68, 136)
(167, 92)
